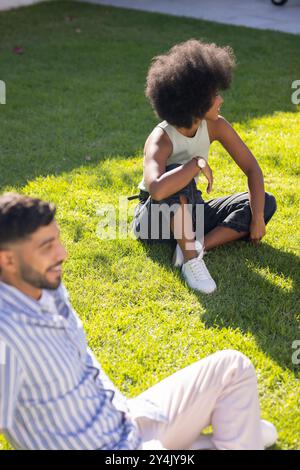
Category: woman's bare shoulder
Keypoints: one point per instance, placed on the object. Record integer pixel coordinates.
(158, 139)
(215, 128)
(211, 129)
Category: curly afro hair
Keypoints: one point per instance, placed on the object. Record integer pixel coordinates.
(182, 84)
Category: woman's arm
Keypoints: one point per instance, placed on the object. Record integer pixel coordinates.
(162, 184)
(222, 131)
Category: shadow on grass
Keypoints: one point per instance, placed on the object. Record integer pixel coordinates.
(258, 291)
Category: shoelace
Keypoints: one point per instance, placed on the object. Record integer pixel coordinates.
(199, 269)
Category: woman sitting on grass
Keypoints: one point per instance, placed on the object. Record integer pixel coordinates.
(183, 87)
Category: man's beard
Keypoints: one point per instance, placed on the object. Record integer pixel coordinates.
(36, 279)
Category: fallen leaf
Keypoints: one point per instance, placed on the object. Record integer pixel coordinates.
(18, 50)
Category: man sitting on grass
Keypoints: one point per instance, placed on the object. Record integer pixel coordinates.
(55, 395)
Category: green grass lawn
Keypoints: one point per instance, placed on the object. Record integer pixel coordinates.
(73, 131)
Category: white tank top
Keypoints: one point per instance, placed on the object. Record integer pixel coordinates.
(185, 148)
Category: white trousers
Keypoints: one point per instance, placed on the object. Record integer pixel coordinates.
(220, 390)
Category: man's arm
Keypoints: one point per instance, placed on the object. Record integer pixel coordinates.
(238, 150)
(10, 381)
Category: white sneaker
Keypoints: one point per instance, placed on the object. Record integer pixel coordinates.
(178, 258)
(197, 276)
(268, 431)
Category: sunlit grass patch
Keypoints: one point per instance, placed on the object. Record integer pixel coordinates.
(73, 131)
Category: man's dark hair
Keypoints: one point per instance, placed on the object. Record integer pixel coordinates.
(20, 216)
(182, 83)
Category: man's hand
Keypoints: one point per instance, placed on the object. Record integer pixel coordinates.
(257, 229)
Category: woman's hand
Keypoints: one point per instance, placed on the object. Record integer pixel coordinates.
(207, 171)
(257, 229)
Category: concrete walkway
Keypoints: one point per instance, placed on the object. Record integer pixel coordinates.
(260, 14)
(9, 4)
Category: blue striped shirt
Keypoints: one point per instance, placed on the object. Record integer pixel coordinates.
(53, 392)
